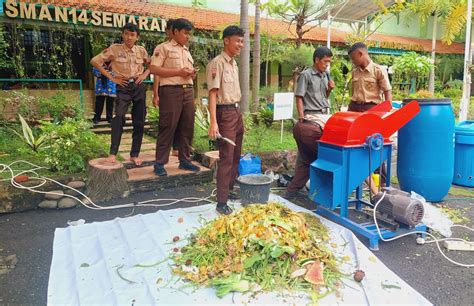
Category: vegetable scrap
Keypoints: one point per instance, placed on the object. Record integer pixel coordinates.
(260, 248)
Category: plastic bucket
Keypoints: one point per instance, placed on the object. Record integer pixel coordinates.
(254, 188)
(464, 154)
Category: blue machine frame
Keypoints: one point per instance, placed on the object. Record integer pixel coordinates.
(339, 171)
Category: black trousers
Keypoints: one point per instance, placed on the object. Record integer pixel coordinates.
(99, 107)
(135, 94)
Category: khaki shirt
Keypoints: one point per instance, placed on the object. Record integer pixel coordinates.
(223, 74)
(126, 62)
(368, 84)
(172, 55)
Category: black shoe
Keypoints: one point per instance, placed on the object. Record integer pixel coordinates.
(223, 209)
(95, 121)
(187, 165)
(233, 196)
(160, 170)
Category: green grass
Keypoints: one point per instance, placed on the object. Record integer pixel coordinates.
(13, 149)
(258, 139)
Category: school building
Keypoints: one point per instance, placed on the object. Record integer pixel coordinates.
(56, 39)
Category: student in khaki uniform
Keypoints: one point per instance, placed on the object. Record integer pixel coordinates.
(128, 66)
(369, 80)
(226, 119)
(156, 81)
(173, 63)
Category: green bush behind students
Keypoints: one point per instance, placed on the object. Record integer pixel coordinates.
(127, 62)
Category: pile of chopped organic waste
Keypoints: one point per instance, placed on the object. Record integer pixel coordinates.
(260, 248)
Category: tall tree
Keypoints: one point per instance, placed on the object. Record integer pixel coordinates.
(244, 64)
(303, 14)
(256, 59)
(452, 15)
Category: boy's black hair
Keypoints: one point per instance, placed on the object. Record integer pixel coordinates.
(169, 24)
(131, 27)
(232, 30)
(182, 24)
(321, 52)
(356, 46)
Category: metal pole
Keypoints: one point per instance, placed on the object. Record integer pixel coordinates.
(281, 132)
(431, 83)
(81, 96)
(328, 43)
(466, 89)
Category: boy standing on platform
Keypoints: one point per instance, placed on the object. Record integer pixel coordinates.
(226, 119)
(128, 66)
(173, 63)
(156, 81)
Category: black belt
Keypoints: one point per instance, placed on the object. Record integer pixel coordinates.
(319, 111)
(361, 102)
(179, 86)
(227, 106)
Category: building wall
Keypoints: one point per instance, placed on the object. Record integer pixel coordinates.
(406, 25)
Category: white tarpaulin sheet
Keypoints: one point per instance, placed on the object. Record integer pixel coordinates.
(94, 264)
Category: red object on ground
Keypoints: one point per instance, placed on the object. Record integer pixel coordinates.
(315, 274)
(21, 178)
(352, 129)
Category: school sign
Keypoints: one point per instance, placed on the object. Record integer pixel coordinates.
(49, 13)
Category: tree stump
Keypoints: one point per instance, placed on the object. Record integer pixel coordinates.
(106, 180)
(210, 160)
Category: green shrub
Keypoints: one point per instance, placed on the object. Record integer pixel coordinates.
(22, 104)
(153, 116)
(411, 65)
(30, 136)
(452, 93)
(265, 115)
(266, 94)
(59, 108)
(455, 84)
(33, 109)
(72, 145)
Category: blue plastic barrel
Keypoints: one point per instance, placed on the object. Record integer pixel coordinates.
(464, 154)
(425, 161)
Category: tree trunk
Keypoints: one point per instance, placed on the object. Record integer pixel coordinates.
(256, 59)
(431, 82)
(106, 180)
(268, 52)
(244, 67)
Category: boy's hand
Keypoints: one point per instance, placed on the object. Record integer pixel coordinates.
(196, 70)
(185, 72)
(141, 78)
(213, 130)
(120, 80)
(156, 101)
(331, 85)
